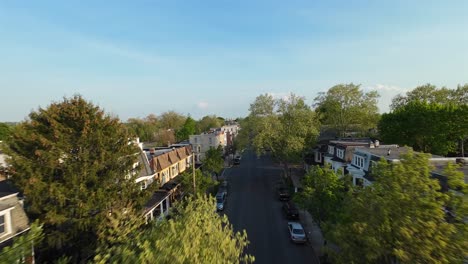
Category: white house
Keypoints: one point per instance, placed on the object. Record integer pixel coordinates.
(203, 142)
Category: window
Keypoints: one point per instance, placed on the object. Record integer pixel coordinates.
(340, 153)
(331, 150)
(2, 225)
(211, 140)
(196, 140)
(358, 161)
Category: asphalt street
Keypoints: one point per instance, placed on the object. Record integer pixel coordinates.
(252, 205)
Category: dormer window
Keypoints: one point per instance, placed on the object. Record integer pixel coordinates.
(331, 150)
(340, 153)
(358, 161)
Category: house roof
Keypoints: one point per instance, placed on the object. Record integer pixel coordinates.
(162, 160)
(156, 199)
(394, 153)
(145, 168)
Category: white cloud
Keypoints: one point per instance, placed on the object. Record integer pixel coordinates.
(387, 93)
(202, 105)
(280, 95)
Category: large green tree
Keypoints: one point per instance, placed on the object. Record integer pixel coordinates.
(195, 234)
(203, 183)
(322, 194)
(429, 93)
(146, 128)
(187, 129)
(73, 162)
(428, 127)
(171, 120)
(213, 161)
(286, 126)
(5, 131)
(208, 122)
(346, 107)
(399, 219)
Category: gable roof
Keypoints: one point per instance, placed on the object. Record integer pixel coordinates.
(171, 156)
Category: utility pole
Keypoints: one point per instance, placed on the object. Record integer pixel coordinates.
(193, 166)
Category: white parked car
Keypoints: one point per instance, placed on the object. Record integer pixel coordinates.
(296, 232)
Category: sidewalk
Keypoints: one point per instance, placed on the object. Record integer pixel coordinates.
(316, 239)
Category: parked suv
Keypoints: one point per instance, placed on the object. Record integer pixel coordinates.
(290, 211)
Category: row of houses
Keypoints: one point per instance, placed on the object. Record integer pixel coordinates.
(223, 136)
(356, 157)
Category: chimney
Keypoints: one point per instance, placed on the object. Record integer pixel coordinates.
(152, 151)
(376, 143)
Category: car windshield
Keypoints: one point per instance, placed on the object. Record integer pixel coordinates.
(298, 231)
(219, 200)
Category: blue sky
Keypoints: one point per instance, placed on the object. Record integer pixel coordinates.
(134, 58)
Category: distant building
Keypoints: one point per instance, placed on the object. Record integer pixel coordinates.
(203, 142)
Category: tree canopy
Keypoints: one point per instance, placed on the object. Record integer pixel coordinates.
(346, 107)
(73, 162)
(194, 234)
(399, 219)
(287, 128)
(322, 194)
(428, 127)
(429, 93)
(213, 162)
(203, 184)
(208, 122)
(5, 131)
(145, 128)
(187, 129)
(171, 120)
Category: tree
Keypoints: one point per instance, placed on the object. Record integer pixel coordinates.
(428, 127)
(322, 194)
(208, 122)
(203, 183)
(187, 129)
(429, 93)
(145, 128)
(287, 128)
(171, 120)
(21, 251)
(5, 131)
(346, 107)
(399, 219)
(195, 234)
(213, 162)
(73, 163)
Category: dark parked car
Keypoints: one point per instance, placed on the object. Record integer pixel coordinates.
(237, 160)
(290, 211)
(283, 194)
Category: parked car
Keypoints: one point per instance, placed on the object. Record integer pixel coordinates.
(296, 232)
(290, 211)
(220, 201)
(223, 187)
(283, 193)
(237, 160)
